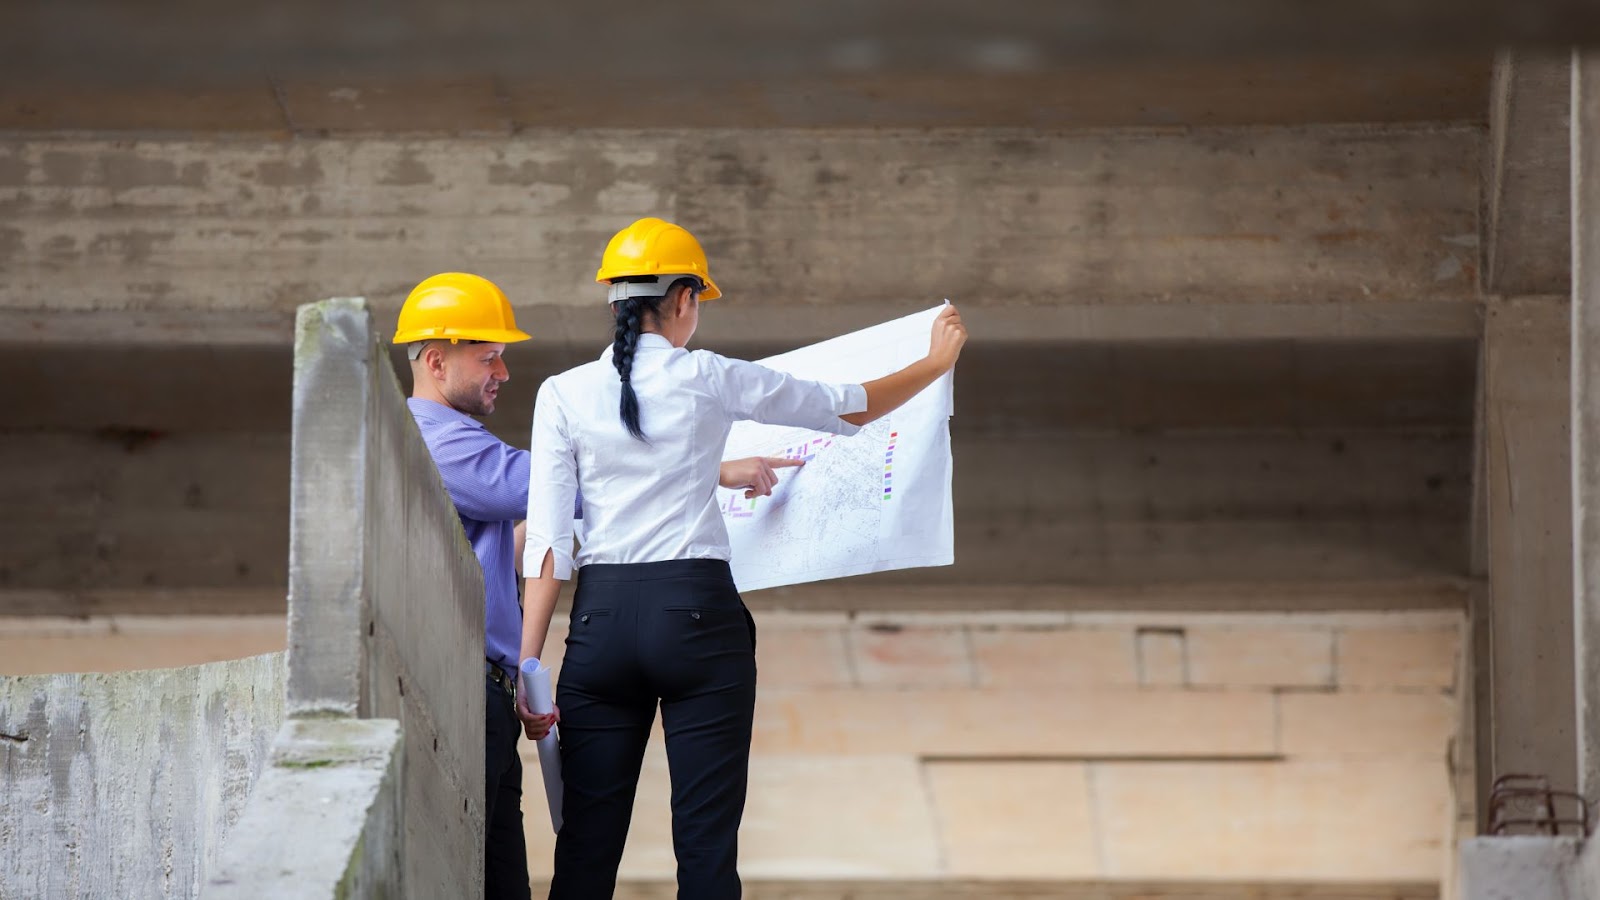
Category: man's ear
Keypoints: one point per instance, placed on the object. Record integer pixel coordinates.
(433, 360)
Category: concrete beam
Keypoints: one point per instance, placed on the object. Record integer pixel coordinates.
(1527, 202)
(1074, 94)
(566, 329)
(800, 221)
(1528, 461)
(98, 39)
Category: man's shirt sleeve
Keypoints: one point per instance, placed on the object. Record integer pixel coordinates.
(487, 478)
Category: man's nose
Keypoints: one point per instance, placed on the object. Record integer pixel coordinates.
(501, 373)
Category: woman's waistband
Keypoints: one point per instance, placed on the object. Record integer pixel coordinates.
(600, 573)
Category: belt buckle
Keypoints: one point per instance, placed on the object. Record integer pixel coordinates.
(500, 677)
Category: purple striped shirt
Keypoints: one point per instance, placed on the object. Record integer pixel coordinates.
(488, 481)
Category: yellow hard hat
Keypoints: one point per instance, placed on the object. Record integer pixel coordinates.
(455, 306)
(654, 247)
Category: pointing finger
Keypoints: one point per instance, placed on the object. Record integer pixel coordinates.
(783, 463)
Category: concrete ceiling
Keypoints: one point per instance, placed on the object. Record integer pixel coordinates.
(1444, 88)
(308, 68)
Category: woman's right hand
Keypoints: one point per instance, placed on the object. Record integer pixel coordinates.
(949, 335)
(533, 724)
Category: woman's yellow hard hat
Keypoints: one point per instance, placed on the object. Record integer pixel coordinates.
(456, 306)
(657, 248)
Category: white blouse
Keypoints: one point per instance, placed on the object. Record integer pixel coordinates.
(654, 501)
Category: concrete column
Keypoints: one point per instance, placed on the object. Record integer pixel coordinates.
(1527, 452)
(1586, 410)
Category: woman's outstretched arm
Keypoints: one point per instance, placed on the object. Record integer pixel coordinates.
(889, 393)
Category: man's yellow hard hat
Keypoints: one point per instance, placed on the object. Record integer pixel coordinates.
(456, 306)
(657, 248)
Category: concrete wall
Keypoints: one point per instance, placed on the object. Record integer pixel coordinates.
(1114, 749)
(128, 784)
(385, 595)
(1239, 354)
(1027, 754)
(326, 819)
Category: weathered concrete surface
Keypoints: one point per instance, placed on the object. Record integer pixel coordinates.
(1230, 460)
(1586, 415)
(790, 217)
(1527, 188)
(1522, 868)
(385, 595)
(1529, 467)
(1092, 507)
(1080, 93)
(127, 784)
(106, 40)
(325, 820)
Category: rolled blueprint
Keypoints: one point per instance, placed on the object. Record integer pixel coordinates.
(536, 687)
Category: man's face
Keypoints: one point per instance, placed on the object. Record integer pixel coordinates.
(470, 376)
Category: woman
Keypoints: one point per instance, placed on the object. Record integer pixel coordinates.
(656, 617)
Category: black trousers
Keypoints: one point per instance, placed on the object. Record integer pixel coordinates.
(676, 633)
(505, 857)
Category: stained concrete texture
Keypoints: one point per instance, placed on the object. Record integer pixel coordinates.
(325, 820)
(103, 41)
(129, 784)
(1527, 452)
(825, 218)
(1524, 868)
(1446, 87)
(386, 611)
(1231, 460)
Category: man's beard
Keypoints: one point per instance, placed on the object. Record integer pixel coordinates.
(471, 402)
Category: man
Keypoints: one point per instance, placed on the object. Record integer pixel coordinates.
(455, 328)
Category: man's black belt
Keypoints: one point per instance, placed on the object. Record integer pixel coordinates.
(499, 676)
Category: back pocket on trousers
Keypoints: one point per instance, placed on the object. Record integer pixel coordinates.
(586, 633)
(727, 627)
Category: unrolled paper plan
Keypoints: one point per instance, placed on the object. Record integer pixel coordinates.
(874, 501)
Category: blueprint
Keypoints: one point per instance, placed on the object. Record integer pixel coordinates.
(874, 501)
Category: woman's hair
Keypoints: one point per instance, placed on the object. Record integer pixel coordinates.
(631, 314)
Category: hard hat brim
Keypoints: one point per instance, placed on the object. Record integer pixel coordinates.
(487, 335)
(711, 292)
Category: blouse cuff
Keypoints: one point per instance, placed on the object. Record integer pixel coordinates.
(533, 562)
(855, 399)
(852, 399)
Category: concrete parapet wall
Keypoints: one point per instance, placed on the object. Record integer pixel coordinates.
(385, 595)
(127, 784)
(325, 820)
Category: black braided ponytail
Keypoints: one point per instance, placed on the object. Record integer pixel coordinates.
(631, 314)
(630, 319)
